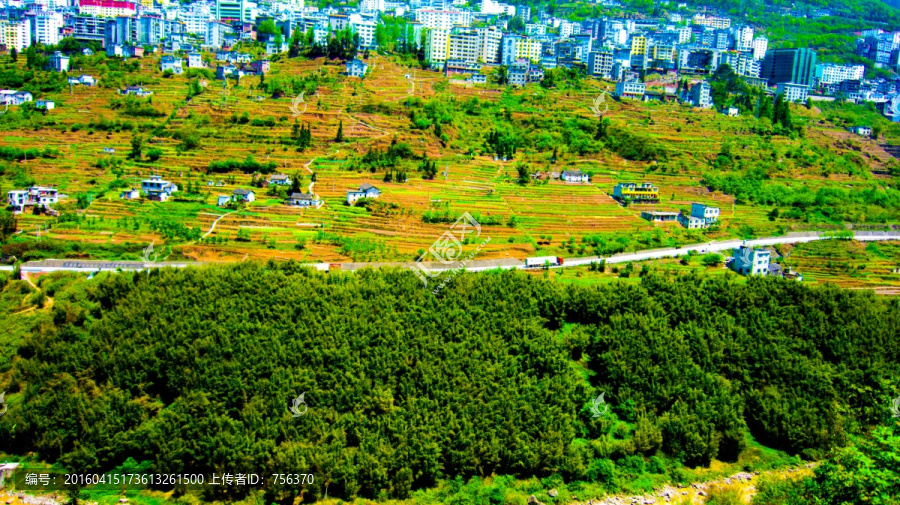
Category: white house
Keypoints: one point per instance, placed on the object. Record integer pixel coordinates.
(632, 89)
(130, 194)
(731, 111)
(364, 191)
(223, 200)
(13, 97)
(279, 180)
(158, 189)
(356, 68)
(241, 194)
(864, 131)
(136, 91)
(45, 104)
(749, 261)
(574, 176)
(42, 196)
(59, 62)
(194, 60)
(82, 80)
(172, 63)
(302, 200)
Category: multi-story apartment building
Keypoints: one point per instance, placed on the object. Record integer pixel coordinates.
(529, 49)
(600, 63)
(45, 27)
(436, 46)
(364, 26)
(151, 29)
(829, 73)
(535, 29)
(118, 32)
(196, 18)
(701, 95)
(15, 34)
(106, 8)
(743, 38)
(88, 28)
(372, 6)
(711, 21)
(489, 44)
(463, 45)
(760, 46)
(508, 48)
(638, 45)
(793, 92)
(442, 19)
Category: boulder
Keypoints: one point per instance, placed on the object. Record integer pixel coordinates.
(552, 493)
(532, 500)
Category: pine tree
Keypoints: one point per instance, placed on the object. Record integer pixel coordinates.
(340, 132)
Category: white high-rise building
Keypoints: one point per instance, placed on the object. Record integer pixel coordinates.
(760, 46)
(371, 5)
(196, 18)
(365, 27)
(45, 27)
(443, 20)
(15, 34)
(436, 46)
(743, 38)
(567, 29)
(489, 44)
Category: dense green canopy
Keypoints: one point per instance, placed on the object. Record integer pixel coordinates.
(194, 370)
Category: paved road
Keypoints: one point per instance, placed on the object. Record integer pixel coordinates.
(479, 265)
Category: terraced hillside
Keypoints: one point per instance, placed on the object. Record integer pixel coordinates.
(554, 130)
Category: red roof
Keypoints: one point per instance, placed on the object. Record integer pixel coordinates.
(109, 4)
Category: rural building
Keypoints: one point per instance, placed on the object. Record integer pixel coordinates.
(13, 97)
(260, 66)
(708, 214)
(59, 62)
(364, 191)
(747, 260)
(302, 200)
(691, 222)
(638, 193)
(130, 194)
(701, 95)
(82, 80)
(279, 180)
(223, 200)
(194, 60)
(631, 89)
(158, 189)
(356, 68)
(41, 196)
(133, 52)
(244, 195)
(865, 131)
(45, 104)
(659, 216)
(136, 91)
(731, 112)
(172, 63)
(574, 176)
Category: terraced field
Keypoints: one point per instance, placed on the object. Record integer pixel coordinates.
(373, 113)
